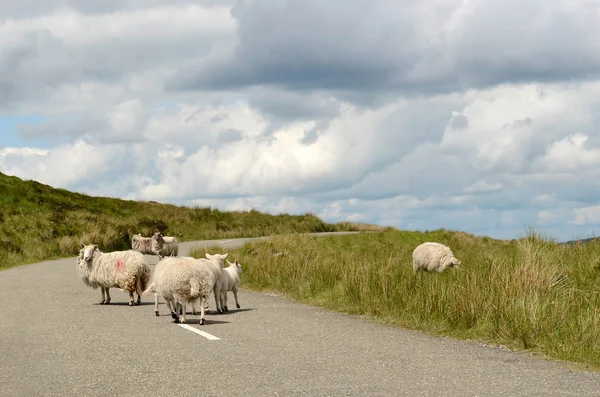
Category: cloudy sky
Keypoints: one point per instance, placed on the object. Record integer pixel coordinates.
(476, 115)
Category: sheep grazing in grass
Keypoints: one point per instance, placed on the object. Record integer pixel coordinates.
(164, 245)
(215, 263)
(433, 257)
(181, 280)
(231, 282)
(119, 269)
(142, 244)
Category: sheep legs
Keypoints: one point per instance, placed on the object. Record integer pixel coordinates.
(237, 303)
(218, 297)
(131, 299)
(202, 311)
(156, 303)
(139, 291)
(105, 298)
(224, 301)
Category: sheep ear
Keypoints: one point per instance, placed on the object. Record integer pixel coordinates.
(82, 244)
(229, 263)
(207, 255)
(224, 255)
(236, 261)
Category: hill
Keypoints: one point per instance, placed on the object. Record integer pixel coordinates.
(39, 222)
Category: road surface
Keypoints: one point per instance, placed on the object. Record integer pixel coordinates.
(57, 341)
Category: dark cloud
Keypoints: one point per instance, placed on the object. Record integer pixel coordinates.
(395, 46)
(289, 106)
(230, 135)
(32, 8)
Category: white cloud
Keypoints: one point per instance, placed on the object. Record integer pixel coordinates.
(435, 116)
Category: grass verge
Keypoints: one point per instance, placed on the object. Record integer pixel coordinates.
(38, 222)
(530, 294)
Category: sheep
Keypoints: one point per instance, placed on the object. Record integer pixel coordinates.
(231, 282)
(432, 256)
(182, 280)
(142, 244)
(216, 265)
(164, 245)
(119, 269)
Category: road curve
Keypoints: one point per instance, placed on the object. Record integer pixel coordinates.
(57, 341)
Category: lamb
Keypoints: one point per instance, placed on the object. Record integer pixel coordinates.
(215, 263)
(182, 280)
(142, 244)
(164, 245)
(231, 282)
(119, 269)
(432, 256)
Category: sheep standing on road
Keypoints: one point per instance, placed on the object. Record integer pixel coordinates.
(119, 269)
(181, 280)
(215, 263)
(164, 245)
(433, 257)
(231, 282)
(142, 244)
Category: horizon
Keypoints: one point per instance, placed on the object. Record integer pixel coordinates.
(384, 112)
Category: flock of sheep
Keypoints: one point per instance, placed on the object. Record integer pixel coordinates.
(186, 280)
(179, 280)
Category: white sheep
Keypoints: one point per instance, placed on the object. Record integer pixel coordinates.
(119, 269)
(216, 265)
(164, 245)
(142, 244)
(433, 257)
(182, 280)
(231, 282)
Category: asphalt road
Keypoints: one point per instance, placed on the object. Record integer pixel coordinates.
(57, 341)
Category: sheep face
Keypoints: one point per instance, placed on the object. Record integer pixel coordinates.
(87, 251)
(455, 262)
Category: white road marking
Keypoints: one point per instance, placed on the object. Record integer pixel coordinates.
(197, 331)
(225, 241)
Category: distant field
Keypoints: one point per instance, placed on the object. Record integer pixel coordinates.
(530, 293)
(38, 222)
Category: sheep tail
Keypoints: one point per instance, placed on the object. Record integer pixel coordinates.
(194, 287)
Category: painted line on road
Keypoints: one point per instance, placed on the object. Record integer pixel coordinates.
(224, 241)
(197, 331)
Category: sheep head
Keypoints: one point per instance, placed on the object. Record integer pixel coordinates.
(219, 258)
(87, 251)
(237, 265)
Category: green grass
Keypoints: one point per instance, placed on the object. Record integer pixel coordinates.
(38, 222)
(530, 294)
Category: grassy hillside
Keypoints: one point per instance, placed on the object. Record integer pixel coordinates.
(528, 294)
(38, 222)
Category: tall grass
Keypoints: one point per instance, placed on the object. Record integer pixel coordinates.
(530, 293)
(38, 222)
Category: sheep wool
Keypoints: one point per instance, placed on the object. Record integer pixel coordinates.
(215, 263)
(119, 269)
(181, 280)
(164, 245)
(142, 244)
(231, 282)
(432, 256)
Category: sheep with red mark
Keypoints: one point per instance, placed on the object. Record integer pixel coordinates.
(119, 269)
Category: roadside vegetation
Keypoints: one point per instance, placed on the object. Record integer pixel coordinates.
(530, 293)
(38, 222)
